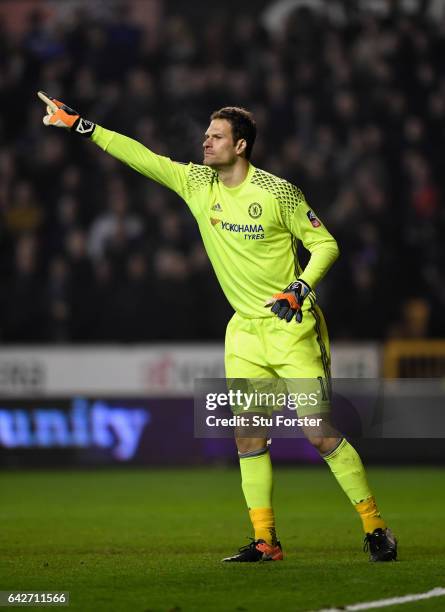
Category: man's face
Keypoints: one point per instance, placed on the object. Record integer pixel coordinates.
(219, 148)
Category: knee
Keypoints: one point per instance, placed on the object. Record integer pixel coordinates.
(323, 445)
(250, 445)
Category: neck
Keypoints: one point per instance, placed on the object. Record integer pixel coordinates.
(232, 176)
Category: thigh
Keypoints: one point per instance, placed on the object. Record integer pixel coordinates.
(300, 350)
(244, 350)
(300, 355)
(246, 368)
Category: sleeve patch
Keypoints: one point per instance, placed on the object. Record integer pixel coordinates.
(313, 219)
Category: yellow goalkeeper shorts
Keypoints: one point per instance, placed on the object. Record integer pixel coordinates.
(274, 349)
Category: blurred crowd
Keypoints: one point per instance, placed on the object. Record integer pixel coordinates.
(353, 113)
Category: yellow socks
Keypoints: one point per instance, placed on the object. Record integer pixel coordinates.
(345, 464)
(370, 515)
(263, 522)
(347, 467)
(256, 482)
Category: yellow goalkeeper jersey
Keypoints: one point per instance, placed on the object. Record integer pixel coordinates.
(250, 231)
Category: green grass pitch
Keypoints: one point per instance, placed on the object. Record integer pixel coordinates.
(151, 540)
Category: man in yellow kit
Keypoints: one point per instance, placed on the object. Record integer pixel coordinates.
(250, 222)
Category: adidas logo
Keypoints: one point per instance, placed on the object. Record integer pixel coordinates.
(217, 207)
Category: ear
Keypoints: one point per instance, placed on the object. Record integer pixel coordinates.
(240, 146)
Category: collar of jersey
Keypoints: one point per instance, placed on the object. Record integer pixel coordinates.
(250, 171)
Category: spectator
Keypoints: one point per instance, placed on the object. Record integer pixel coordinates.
(24, 214)
(58, 308)
(114, 225)
(24, 318)
(80, 292)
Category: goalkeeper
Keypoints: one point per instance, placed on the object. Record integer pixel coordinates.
(250, 222)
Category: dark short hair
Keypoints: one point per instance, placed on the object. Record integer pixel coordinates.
(242, 122)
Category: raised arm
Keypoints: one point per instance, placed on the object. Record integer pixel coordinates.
(132, 153)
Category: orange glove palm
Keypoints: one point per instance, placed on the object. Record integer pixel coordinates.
(60, 115)
(289, 302)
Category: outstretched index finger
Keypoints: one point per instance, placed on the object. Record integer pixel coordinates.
(48, 101)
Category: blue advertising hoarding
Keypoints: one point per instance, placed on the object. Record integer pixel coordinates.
(102, 431)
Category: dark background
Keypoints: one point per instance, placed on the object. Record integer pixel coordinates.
(350, 109)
